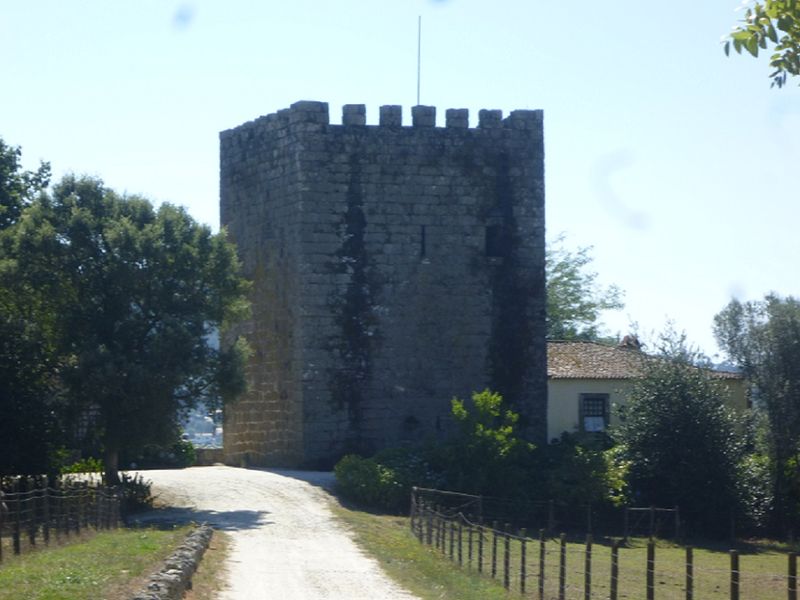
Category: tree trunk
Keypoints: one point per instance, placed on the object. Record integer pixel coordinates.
(111, 466)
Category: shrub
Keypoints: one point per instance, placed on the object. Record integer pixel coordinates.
(683, 444)
(85, 465)
(136, 493)
(178, 454)
(364, 481)
(488, 457)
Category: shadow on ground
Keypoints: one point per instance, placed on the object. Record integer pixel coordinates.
(321, 479)
(226, 520)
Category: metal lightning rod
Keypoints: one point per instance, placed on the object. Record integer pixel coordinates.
(419, 53)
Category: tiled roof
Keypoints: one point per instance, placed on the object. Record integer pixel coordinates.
(590, 360)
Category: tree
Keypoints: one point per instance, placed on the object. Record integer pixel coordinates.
(574, 299)
(30, 399)
(776, 22)
(131, 295)
(680, 440)
(763, 337)
(18, 188)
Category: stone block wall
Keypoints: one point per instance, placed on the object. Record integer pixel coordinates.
(394, 267)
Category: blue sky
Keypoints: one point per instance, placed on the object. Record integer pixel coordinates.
(678, 165)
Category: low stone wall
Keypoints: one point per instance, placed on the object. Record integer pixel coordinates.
(208, 456)
(175, 576)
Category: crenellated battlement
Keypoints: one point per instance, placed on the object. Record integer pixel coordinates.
(316, 114)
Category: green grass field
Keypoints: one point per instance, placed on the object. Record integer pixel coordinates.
(108, 565)
(430, 573)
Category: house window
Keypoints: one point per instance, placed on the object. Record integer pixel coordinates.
(594, 412)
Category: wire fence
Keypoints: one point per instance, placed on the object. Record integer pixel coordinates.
(550, 567)
(38, 513)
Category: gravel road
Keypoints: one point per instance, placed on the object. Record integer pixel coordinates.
(285, 541)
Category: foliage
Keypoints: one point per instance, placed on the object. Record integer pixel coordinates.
(136, 493)
(30, 399)
(366, 482)
(128, 296)
(85, 465)
(574, 299)
(18, 188)
(763, 337)
(770, 22)
(487, 453)
(175, 454)
(683, 445)
(582, 471)
(486, 457)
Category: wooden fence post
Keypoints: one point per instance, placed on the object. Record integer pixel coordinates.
(734, 575)
(614, 583)
(542, 555)
(587, 570)
(689, 573)
(428, 525)
(551, 517)
(506, 557)
(435, 521)
(652, 521)
(480, 548)
(452, 529)
(30, 501)
(494, 549)
(3, 511)
(677, 523)
(63, 517)
(17, 521)
(523, 571)
(469, 542)
(651, 569)
(46, 511)
(792, 579)
(562, 568)
(460, 542)
(75, 504)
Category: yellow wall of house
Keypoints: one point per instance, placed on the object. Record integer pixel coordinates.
(563, 398)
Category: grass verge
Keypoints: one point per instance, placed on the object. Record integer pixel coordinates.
(209, 579)
(412, 565)
(109, 566)
(430, 573)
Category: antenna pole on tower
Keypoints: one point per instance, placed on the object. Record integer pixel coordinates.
(419, 53)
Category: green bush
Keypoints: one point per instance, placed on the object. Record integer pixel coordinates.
(136, 493)
(581, 470)
(179, 454)
(363, 481)
(487, 456)
(85, 465)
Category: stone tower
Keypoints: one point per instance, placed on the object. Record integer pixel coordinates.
(393, 268)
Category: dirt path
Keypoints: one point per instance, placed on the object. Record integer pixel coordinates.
(286, 543)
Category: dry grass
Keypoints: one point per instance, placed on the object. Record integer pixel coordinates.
(209, 579)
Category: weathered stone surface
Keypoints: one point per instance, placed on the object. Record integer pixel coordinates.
(175, 576)
(393, 267)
